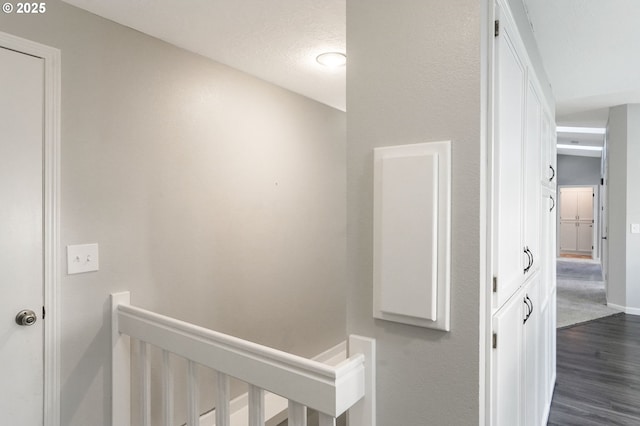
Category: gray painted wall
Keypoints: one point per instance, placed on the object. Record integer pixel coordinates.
(577, 170)
(633, 206)
(414, 75)
(215, 197)
(623, 135)
(417, 73)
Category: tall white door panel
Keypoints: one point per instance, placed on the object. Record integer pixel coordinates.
(568, 204)
(532, 177)
(568, 236)
(584, 237)
(576, 219)
(21, 242)
(584, 205)
(507, 363)
(510, 100)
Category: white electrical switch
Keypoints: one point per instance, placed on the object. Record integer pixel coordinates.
(635, 228)
(82, 258)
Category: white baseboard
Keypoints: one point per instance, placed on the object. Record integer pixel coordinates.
(625, 309)
(275, 407)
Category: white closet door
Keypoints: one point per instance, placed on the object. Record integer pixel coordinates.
(507, 364)
(568, 236)
(532, 175)
(584, 204)
(21, 244)
(584, 237)
(511, 86)
(568, 204)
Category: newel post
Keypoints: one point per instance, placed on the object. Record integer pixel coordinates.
(120, 366)
(363, 413)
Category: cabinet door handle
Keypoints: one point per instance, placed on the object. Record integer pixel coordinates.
(530, 253)
(526, 316)
(531, 302)
(527, 252)
(554, 204)
(553, 172)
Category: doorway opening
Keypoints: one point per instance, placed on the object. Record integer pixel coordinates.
(578, 222)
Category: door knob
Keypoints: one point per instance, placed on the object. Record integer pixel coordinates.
(26, 317)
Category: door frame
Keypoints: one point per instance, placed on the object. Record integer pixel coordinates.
(596, 251)
(51, 216)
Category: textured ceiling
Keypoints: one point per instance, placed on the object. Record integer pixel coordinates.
(590, 50)
(275, 40)
(589, 47)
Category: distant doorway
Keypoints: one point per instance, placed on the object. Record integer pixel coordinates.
(577, 222)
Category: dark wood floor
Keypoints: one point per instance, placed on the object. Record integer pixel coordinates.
(598, 373)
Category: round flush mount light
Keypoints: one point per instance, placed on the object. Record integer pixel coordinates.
(332, 59)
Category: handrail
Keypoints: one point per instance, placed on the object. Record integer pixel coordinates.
(330, 390)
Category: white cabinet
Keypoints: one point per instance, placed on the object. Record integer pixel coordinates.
(533, 134)
(510, 86)
(506, 363)
(532, 340)
(576, 237)
(517, 142)
(576, 204)
(523, 238)
(516, 365)
(576, 219)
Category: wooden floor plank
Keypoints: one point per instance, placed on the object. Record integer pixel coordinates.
(598, 373)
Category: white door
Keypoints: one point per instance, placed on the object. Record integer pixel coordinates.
(568, 236)
(510, 86)
(576, 219)
(532, 176)
(585, 237)
(568, 204)
(507, 363)
(585, 204)
(21, 241)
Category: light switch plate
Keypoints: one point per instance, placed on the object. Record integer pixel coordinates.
(635, 228)
(82, 258)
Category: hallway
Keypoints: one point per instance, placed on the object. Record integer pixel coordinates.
(598, 373)
(581, 292)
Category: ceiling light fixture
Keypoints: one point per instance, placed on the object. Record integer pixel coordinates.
(585, 148)
(586, 130)
(332, 59)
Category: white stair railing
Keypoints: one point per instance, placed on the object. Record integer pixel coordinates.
(330, 390)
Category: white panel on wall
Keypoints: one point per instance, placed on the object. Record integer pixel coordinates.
(412, 233)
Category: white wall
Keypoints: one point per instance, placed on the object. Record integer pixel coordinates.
(215, 197)
(414, 75)
(623, 136)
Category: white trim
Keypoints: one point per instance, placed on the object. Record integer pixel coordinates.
(120, 365)
(51, 188)
(364, 412)
(486, 197)
(275, 406)
(625, 309)
(583, 130)
(331, 390)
